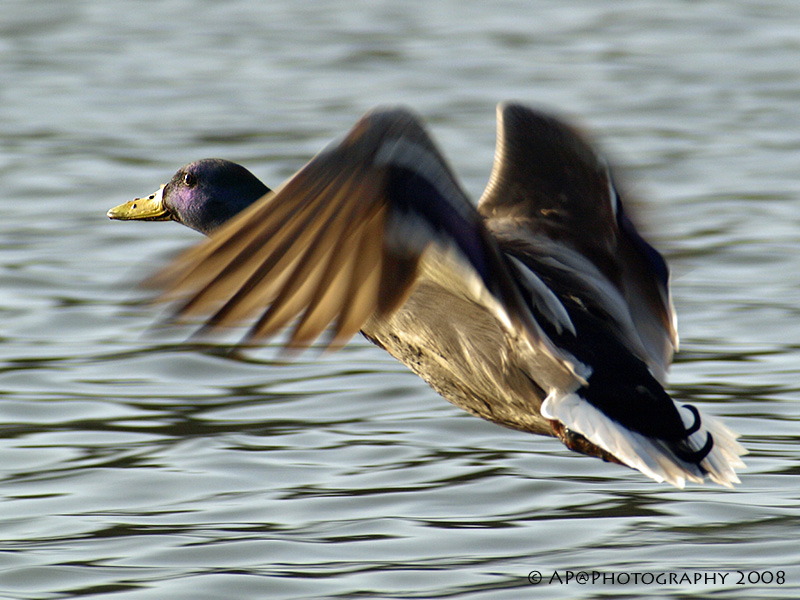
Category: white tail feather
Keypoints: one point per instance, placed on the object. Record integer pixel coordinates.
(651, 456)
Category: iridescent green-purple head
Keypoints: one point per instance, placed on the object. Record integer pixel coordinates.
(201, 195)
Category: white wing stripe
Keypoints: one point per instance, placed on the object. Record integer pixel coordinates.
(544, 299)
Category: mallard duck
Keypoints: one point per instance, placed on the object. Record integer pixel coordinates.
(543, 309)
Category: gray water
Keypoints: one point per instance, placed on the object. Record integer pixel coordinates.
(136, 466)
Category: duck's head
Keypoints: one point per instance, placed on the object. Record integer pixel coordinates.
(201, 195)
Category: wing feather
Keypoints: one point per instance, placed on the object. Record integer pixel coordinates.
(549, 185)
(343, 239)
(361, 299)
(290, 260)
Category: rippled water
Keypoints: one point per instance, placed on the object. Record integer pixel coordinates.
(136, 466)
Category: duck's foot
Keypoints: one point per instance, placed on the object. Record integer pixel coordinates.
(576, 442)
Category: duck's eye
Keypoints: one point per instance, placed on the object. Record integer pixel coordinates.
(189, 180)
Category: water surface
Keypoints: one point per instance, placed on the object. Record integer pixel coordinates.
(136, 466)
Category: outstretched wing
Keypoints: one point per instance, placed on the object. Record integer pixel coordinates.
(553, 205)
(344, 239)
(550, 188)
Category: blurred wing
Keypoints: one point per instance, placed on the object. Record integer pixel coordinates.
(549, 187)
(344, 240)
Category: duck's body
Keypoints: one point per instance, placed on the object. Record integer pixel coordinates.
(543, 310)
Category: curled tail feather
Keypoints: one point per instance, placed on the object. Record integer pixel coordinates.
(709, 448)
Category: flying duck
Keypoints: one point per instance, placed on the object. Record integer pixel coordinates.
(543, 309)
